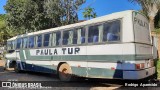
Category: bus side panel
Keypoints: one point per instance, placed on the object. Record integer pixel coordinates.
(143, 50)
(38, 63)
(105, 58)
(127, 29)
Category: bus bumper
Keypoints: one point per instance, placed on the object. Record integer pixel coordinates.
(140, 74)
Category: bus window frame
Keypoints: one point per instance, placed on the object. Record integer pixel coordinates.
(60, 44)
(71, 29)
(94, 24)
(23, 43)
(20, 44)
(9, 45)
(49, 42)
(61, 34)
(120, 34)
(29, 40)
(36, 44)
(106, 42)
(13, 43)
(85, 27)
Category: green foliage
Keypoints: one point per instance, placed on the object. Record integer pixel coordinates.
(89, 13)
(157, 31)
(150, 8)
(2, 21)
(62, 12)
(33, 15)
(158, 68)
(157, 20)
(4, 32)
(25, 15)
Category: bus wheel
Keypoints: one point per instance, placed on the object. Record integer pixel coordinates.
(65, 72)
(16, 69)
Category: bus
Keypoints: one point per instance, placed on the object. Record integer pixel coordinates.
(115, 46)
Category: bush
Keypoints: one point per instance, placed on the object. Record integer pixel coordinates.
(158, 68)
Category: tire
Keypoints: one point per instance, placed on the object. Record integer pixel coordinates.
(16, 69)
(65, 72)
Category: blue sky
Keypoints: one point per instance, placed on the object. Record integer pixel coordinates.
(102, 7)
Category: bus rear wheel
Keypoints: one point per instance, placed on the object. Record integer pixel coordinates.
(65, 72)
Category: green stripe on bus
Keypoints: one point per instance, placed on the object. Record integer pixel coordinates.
(80, 71)
(83, 71)
(91, 57)
(97, 72)
(111, 58)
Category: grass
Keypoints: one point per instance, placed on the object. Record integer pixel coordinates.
(157, 31)
(158, 68)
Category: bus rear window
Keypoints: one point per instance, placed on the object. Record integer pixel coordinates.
(111, 31)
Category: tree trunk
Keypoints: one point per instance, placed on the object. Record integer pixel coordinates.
(151, 22)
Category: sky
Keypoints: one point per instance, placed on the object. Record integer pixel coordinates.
(102, 7)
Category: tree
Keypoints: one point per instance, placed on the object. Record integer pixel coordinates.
(62, 12)
(26, 15)
(2, 27)
(33, 15)
(150, 7)
(157, 20)
(89, 13)
(4, 32)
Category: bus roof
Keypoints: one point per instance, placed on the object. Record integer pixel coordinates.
(112, 16)
(13, 38)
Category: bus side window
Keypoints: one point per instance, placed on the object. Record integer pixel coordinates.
(13, 44)
(39, 41)
(53, 39)
(68, 37)
(25, 41)
(81, 36)
(93, 34)
(65, 37)
(58, 38)
(74, 39)
(111, 31)
(46, 40)
(31, 42)
(9, 45)
(19, 42)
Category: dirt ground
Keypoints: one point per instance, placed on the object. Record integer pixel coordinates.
(10, 75)
(2, 62)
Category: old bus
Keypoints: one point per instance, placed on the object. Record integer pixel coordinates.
(116, 46)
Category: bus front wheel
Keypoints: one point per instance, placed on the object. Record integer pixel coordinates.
(16, 69)
(65, 72)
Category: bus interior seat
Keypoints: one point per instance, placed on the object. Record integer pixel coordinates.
(65, 41)
(95, 38)
(82, 40)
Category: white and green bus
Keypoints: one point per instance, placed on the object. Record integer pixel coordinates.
(116, 46)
